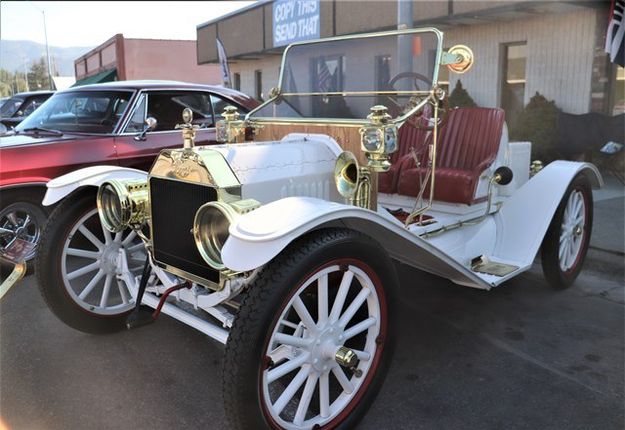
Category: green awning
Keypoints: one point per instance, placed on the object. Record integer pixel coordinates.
(105, 76)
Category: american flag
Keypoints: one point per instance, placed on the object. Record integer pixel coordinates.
(324, 77)
(614, 41)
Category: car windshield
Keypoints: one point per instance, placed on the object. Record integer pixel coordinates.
(344, 78)
(80, 112)
(10, 106)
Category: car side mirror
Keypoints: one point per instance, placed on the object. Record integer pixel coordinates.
(150, 124)
(19, 113)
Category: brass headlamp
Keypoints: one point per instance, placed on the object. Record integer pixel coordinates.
(230, 129)
(210, 227)
(123, 204)
(378, 139)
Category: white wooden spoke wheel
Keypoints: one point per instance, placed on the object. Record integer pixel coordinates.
(77, 266)
(303, 384)
(312, 341)
(572, 230)
(566, 242)
(89, 265)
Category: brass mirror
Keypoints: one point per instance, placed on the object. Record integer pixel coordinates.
(460, 59)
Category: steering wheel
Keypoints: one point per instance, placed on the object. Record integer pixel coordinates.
(416, 78)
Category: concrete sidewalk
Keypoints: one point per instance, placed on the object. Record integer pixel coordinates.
(609, 212)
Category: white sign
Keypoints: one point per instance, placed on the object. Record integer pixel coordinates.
(294, 21)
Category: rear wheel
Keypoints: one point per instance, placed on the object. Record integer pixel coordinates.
(566, 243)
(23, 219)
(77, 266)
(327, 294)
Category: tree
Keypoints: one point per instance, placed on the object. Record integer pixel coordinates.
(536, 123)
(38, 75)
(459, 97)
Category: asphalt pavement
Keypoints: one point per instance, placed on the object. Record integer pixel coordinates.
(521, 356)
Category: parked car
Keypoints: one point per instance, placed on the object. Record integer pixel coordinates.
(102, 124)
(20, 105)
(280, 243)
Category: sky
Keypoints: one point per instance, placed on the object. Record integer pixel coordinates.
(84, 23)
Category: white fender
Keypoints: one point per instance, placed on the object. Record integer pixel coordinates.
(525, 216)
(60, 187)
(259, 236)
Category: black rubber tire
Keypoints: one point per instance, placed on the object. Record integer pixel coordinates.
(260, 306)
(551, 243)
(31, 204)
(48, 268)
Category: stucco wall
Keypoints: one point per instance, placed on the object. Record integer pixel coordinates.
(270, 67)
(167, 59)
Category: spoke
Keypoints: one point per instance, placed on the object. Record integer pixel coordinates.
(324, 395)
(11, 242)
(86, 269)
(118, 236)
(122, 291)
(353, 307)
(348, 387)
(322, 299)
(27, 221)
(92, 238)
(304, 401)
(283, 369)
(303, 313)
(287, 339)
(129, 238)
(4, 231)
(359, 328)
(134, 248)
(562, 249)
(106, 290)
(291, 389)
(362, 355)
(289, 324)
(13, 219)
(83, 253)
(283, 352)
(91, 285)
(107, 234)
(337, 307)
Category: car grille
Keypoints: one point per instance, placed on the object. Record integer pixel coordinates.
(174, 204)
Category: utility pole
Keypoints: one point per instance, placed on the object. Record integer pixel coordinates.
(404, 43)
(25, 73)
(45, 33)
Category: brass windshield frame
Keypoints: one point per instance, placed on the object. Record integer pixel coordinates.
(355, 122)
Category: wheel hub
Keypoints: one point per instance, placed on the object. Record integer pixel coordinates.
(108, 260)
(324, 348)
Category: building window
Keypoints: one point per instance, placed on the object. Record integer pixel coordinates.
(237, 81)
(258, 84)
(513, 74)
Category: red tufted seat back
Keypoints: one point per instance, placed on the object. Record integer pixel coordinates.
(470, 138)
(467, 145)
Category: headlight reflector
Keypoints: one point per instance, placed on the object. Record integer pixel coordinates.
(210, 230)
(122, 203)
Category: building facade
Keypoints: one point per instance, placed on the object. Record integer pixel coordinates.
(553, 47)
(120, 58)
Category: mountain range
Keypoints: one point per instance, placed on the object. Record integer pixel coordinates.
(15, 53)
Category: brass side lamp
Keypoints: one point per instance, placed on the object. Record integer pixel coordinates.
(230, 129)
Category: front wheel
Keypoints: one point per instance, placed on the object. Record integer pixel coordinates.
(76, 266)
(325, 297)
(566, 242)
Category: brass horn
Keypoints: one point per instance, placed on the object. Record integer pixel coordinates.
(464, 59)
(352, 180)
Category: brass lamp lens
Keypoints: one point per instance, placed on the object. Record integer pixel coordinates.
(111, 209)
(211, 225)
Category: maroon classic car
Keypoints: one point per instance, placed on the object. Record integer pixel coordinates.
(123, 123)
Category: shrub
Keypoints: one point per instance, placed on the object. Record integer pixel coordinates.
(459, 97)
(537, 123)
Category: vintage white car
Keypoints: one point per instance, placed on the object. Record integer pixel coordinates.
(280, 243)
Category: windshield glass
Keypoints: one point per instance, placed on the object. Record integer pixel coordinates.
(10, 106)
(343, 79)
(80, 111)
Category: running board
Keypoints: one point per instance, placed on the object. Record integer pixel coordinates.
(209, 329)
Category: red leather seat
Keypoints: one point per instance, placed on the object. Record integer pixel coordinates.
(467, 145)
(408, 136)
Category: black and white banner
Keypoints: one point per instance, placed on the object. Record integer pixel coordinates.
(614, 43)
